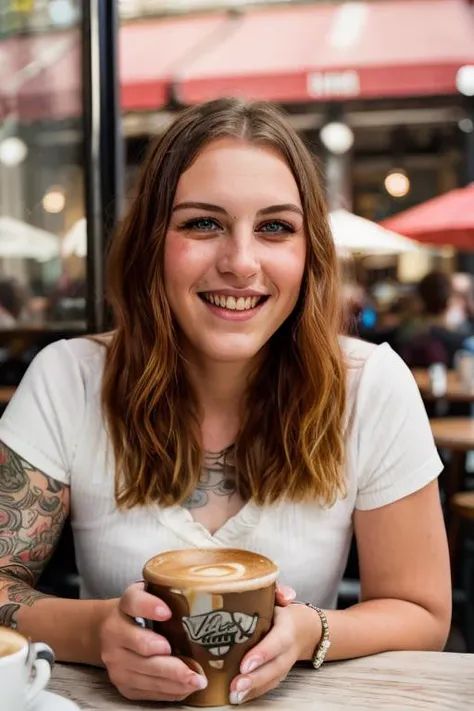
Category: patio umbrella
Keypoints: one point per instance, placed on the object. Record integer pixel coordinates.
(75, 241)
(444, 220)
(21, 240)
(360, 236)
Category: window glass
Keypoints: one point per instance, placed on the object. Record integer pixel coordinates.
(42, 225)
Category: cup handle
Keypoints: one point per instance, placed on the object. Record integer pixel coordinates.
(43, 660)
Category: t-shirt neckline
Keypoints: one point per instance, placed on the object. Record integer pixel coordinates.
(181, 522)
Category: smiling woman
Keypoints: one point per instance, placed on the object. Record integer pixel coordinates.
(226, 409)
(236, 202)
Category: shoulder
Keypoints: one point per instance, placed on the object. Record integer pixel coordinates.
(58, 393)
(366, 361)
(392, 449)
(377, 379)
(73, 358)
(356, 353)
(66, 371)
(369, 365)
(380, 387)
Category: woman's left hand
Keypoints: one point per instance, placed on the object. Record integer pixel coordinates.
(295, 630)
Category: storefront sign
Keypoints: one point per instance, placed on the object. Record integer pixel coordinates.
(322, 85)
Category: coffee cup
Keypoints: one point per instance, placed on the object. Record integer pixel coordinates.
(25, 669)
(222, 603)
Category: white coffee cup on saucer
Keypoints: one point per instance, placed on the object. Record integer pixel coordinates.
(25, 669)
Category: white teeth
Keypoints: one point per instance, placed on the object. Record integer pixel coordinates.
(230, 302)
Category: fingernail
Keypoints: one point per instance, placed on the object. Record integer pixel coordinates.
(251, 664)
(161, 613)
(242, 688)
(237, 697)
(287, 593)
(198, 681)
(243, 684)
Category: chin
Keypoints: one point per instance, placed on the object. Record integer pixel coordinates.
(230, 352)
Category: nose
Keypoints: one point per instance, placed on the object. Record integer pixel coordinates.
(238, 256)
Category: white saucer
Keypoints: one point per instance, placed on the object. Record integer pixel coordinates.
(47, 701)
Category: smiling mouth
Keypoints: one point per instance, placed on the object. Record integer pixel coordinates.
(241, 303)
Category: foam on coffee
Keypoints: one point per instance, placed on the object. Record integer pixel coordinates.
(211, 570)
(10, 642)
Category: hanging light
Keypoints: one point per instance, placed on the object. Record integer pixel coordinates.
(465, 80)
(466, 125)
(62, 12)
(337, 137)
(54, 200)
(397, 183)
(13, 151)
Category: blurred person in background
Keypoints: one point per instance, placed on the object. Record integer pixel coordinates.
(461, 310)
(12, 303)
(440, 329)
(354, 299)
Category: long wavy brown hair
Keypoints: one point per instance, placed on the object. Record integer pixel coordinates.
(291, 440)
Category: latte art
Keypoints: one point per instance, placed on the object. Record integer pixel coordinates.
(211, 570)
(230, 571)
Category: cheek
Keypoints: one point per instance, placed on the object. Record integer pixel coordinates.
(184, 261)
(288, 270)
(176, 250)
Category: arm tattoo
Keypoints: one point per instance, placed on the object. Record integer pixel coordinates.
(8, 616)
(218, 479)
(33, 508)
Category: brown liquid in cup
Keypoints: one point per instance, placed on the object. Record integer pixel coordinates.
(222, 602)
(10, 642)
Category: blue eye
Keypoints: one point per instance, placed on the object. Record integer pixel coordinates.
(202, 224)
(276, 227)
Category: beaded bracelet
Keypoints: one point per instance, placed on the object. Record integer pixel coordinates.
(324, 643)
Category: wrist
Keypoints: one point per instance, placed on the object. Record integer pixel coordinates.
(100, 612)
(310, 631)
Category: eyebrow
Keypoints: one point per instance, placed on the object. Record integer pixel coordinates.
(272, 209)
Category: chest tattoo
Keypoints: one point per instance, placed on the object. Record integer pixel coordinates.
(217, 479)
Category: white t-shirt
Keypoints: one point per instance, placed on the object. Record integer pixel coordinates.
(54, 422)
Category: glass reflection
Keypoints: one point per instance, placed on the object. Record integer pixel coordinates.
(42, 226)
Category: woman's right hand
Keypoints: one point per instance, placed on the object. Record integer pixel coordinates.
(138, 660)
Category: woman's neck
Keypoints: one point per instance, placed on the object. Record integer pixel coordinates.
(220, 387)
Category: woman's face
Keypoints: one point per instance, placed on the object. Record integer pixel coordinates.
(235, 250)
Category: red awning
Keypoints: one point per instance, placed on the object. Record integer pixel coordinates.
(390, 48)
(447, 220)
(152, 53)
